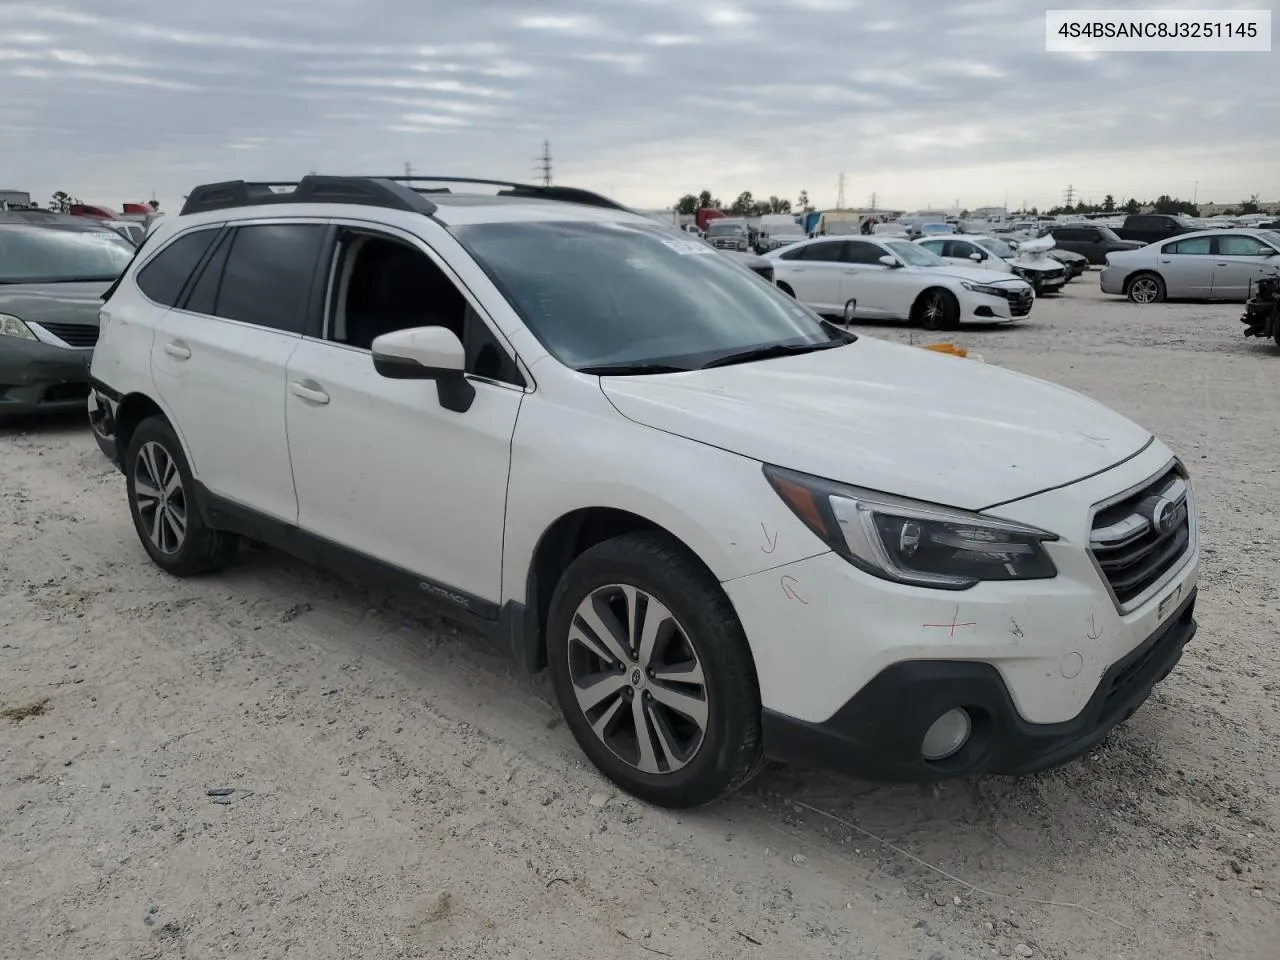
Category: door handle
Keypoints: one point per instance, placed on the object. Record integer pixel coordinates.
(850, 270)
(312, 393)
(177, 350)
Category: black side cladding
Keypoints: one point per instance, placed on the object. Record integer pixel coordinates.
(367, 191)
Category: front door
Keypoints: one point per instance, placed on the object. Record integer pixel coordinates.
(868, 282)
(1240, 262)
(381, 466)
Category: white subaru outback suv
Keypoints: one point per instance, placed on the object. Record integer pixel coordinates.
(729, 529)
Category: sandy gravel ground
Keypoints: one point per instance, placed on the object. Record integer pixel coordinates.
(399, 792)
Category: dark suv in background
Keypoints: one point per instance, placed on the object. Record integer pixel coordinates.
(54, 270)
(1091, 240)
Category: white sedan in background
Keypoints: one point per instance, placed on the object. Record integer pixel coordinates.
(888, 278)
(1045, 274)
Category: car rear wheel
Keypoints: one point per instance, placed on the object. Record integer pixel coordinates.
(652, 672)
(938, 309)
(1145, 288)
(162, 501)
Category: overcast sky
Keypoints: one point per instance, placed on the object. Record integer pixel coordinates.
(923, 102)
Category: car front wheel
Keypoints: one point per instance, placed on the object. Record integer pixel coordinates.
(652, 672)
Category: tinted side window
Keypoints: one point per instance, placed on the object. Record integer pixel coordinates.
(1238, 245)
(828, 251)
(855, 251)
(795, 253)
(164, 277)
(203, 297)
(1143, 223)
(268, 275)
(1201, 245)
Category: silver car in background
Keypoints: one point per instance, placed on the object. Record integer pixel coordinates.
(1208, 265)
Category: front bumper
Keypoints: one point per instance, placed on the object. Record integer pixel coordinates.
(833, 644)
(877, 734)
(985, 308)
(38, 377)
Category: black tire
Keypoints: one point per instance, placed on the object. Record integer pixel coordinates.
(1145, 288)
(729, 749)
(937, 309)
(786, 288)
(154, 449)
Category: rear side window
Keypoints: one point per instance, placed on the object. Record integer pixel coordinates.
(164, 277)
(1196, 245)
(203, 297)
(828, 251)
(268, 275)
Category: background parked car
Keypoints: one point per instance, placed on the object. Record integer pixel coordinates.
(889, 278)
(1045, 274)
(1150, 227)
(53, 272)
(1091, 240)
(1210, 265)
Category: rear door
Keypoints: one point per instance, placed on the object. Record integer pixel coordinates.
(1240, 262)
(814, 274)
(1186, 267)
(219, 359)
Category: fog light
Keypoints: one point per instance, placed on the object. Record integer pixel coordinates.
(948, 734)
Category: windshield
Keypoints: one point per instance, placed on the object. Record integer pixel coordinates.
(49, 255)
(1107, 233)
(726, 229)
(915, 255)
(997, 246)
(600, 294)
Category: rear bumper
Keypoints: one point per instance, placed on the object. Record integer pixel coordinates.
(103, 403)
(38, 377)
(878, 733)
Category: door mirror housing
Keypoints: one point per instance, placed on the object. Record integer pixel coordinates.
(889, 261)
(976, 257)
(427, 353)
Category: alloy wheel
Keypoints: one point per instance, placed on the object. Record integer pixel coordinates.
(1144, 290)
(160, 498)
(934, 310)
(638, 679)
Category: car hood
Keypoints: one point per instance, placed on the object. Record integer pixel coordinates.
(54, 302)
(891, 418)
(971, 274)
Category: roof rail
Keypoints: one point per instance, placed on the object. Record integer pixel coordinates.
(369, 191)
(528, 190)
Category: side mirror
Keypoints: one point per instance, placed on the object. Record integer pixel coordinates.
(976, 257)
(889, 261)
(427, 353)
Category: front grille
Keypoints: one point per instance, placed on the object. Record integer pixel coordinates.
(1020, 304)
(74, 334)
(725, 243)
(1140, 537)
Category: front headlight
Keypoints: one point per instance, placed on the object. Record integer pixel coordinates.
(908, 541)
(986, 288)
(13, 327)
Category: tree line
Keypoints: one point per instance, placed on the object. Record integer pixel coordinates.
(746, 205)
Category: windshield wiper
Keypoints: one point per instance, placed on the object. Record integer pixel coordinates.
(771, 351)
(627, 369)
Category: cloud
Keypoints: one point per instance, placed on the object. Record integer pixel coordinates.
(649, 99)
